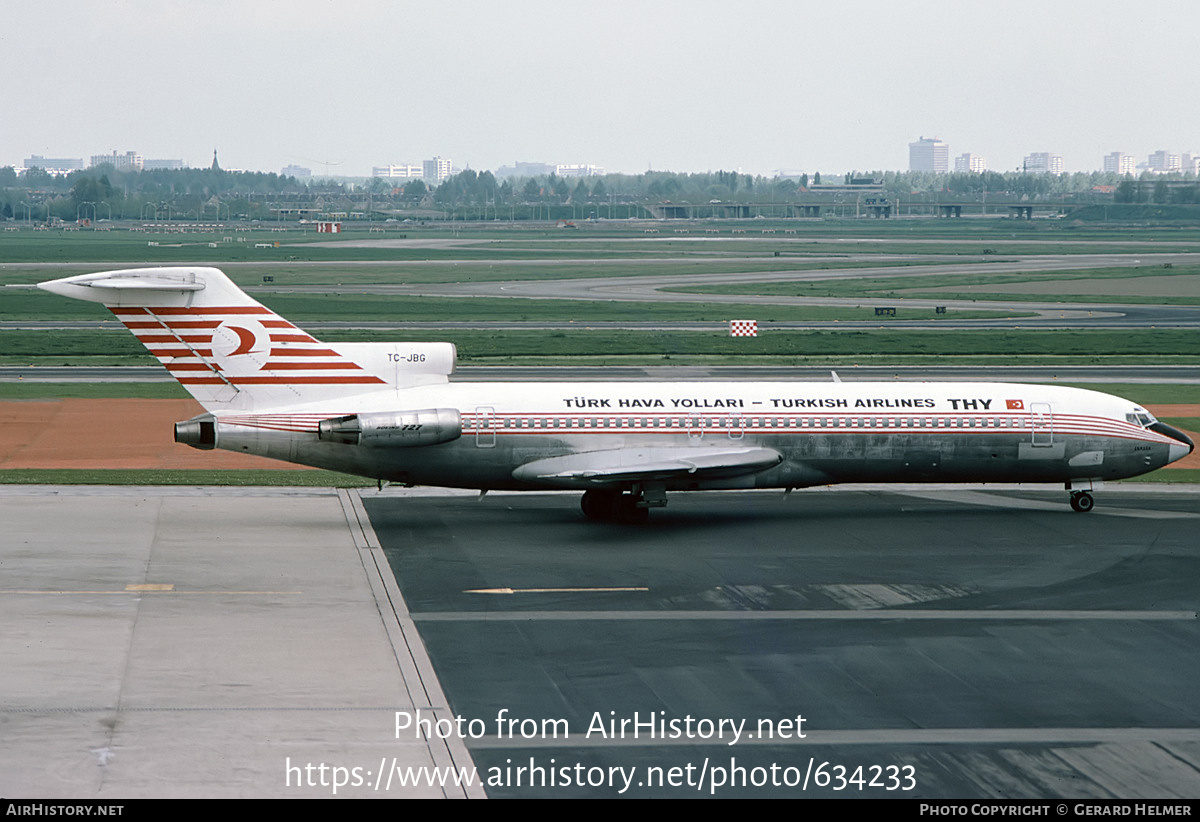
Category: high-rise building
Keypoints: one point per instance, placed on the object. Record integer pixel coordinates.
(1119, 162)
(437, 169)
(929, 154)
(1164, 162)
(1043, 162)
(970, 162)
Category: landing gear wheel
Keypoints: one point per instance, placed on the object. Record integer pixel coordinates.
(613, 505)
(1082, 501)
(599, 504)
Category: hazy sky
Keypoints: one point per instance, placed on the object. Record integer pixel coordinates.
(628, 85)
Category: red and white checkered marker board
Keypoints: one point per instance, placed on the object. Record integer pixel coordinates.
(743, 328)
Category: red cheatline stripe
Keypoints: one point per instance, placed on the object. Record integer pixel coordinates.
(175, 325)
(306, 366)
(191, 366)
(304, 338)
(276, 324)
(303, 352)
(196, 312)
(180, 352)
(366, 380)
(150, 339)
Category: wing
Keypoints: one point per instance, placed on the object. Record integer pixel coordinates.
(611, 467)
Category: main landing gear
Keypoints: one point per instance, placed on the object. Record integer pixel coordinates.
(1082, 501)
(632, 507)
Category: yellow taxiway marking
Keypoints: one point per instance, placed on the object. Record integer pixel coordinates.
(550, 590)
(151, 586)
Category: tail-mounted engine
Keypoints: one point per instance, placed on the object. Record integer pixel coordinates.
(401, 429)
(198, 432)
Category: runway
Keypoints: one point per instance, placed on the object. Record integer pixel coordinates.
(976, 642)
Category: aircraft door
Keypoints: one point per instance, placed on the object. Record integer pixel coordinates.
(695, 426)
(1042, 424)
(485, 427)
(737, 427)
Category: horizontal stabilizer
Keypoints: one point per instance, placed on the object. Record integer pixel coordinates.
(122, 287)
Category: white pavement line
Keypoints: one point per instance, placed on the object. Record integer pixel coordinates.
(420, 680)
(875, 614)
(996, 501)
(866, 736)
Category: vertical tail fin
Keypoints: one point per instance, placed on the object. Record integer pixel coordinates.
(227, 349)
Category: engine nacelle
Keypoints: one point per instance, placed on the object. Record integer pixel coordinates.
(399, 429)
(198, 432)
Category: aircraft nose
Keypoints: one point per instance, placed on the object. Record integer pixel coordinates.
(1178, 451)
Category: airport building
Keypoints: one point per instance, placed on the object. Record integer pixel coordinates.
(524, 169)
(54, 165)
(405, 171)
(578, 170)
(929, 154)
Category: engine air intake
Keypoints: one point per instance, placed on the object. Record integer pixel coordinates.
(402, 429)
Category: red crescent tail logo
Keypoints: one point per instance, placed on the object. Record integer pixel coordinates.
(246, 340)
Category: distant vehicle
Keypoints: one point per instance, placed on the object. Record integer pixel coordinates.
(389, 411)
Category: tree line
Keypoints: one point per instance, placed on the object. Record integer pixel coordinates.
(213, 194)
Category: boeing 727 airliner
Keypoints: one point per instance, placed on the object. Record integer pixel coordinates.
(389, 411)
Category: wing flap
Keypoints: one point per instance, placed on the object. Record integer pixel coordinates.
(645, 464)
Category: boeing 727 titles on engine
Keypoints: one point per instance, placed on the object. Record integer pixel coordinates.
(389, 411)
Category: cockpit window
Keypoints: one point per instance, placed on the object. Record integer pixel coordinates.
(1140, 417)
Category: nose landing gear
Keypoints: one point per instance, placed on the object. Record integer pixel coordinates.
(1082, 501)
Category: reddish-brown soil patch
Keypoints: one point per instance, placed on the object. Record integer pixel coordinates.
(1192, 460)
(108, 433)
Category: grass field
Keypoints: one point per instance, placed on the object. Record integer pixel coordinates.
(953, 287)
(477, 253)
(599, 347)
(22, 305)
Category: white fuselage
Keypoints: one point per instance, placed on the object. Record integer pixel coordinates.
(823, 432)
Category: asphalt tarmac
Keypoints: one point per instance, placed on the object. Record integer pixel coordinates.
(939, 642)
